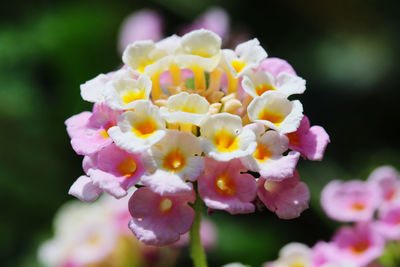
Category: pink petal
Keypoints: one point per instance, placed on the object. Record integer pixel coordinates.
(84, 189)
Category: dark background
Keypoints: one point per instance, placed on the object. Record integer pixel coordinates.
(346, 50)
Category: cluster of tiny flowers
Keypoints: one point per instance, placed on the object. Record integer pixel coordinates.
(183, 111)
(96, 235)
(356, 202)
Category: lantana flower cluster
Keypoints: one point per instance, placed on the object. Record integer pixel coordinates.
(96, 235)
(184, 112)
(373, 209)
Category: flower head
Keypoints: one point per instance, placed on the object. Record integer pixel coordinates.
(350, 201)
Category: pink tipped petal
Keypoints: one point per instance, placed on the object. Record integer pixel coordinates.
(275, 66)
(163, 182)
(84, 189)
(88, 131)
(287, 198)
(114, 170)
(141, 25)
(281, 168)
(350, 201)
(360, 244)
(310, 142)
(107, 182)
(223, 186)
(160, 220)
(315, 143)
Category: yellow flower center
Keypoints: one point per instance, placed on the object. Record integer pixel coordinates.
(145, 128)
(297, 264)
(262, 153)
(127, 167)
(238, 65)
(174, 161)
(104, 133)
(93, 240)
(226, 141)
(360, 247)
(225, 185)
(143, 64)
(272, 116)
(264, 88)
(358, 206)
(294, 138)
(165, 205)
(133, 95)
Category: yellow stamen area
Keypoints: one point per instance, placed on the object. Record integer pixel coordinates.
(127, 167)
(104, 133)
(156, 87)
(201, 53)
(175, 74)
(297, 264)
(359, 247)
(232, 83)
(225, 185)
(294, 138)
(145, 128)
(174, 161)
(238, 65)
(272, 116)
(165, 205)
(226, 141)
(143, 64)
(93, 240)
(199, 78)
(358, 206)
(131, 96)
(260, 89)
(262, 153)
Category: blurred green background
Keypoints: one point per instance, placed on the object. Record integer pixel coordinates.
(346, 50)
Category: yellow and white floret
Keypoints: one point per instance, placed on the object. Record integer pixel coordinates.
(185, 108)
(275, 111)
(177, 152)
(257, 83)
(139, 129)
(199, 51)
(223, 137)
(247, 55)
(124, 89)
(141, 54)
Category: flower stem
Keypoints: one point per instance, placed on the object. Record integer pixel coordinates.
(196, 248)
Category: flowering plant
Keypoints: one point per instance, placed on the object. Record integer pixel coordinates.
(360, 244)
(188, 122)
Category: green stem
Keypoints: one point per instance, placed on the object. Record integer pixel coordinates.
(196, 248)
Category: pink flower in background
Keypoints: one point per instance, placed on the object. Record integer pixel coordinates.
(160, 220)
(389, 222)
(214, 19)
(223, 186)
(88, 131)
(141, 25)
(350, 201)
(387, 179)
(360, 244)
(208, 235)
(310, 142)
(287, 198)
